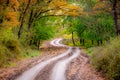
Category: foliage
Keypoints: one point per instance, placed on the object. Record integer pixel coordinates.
(42, 31)
(97, 27)
(9, 47)
(106, 59)
(9, 14)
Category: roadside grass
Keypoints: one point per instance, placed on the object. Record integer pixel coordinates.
(25, 54)
(29, 53)
(87, 44)
(89, 51)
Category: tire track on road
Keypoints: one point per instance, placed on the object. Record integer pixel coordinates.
(45, 73)
(31, 73)
(59, 70)
(39, 71)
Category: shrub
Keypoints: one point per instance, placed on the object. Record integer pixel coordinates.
(14, 47)
(107, 59)
(3, 55)
(9, 47)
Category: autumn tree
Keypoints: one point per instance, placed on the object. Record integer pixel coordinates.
(9, 13)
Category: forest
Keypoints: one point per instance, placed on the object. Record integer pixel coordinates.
(93, 25)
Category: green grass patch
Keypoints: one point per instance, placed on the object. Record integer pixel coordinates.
(29, 53)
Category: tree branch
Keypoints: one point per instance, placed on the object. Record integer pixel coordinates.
(37, 15)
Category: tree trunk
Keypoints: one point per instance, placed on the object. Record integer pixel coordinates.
(115, 17)
(80, 41)
(83, 42)
(1, 20)
(23, 19)
(98, 42)
(92, 42)
(30, 42)
(34, 42)
(21, 26)
(7, 3)
(101, 42)
(73, 38)
(30, 20)
(38, 44)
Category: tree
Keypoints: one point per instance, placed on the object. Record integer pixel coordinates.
(112, 6)
(23, 14)
(70, 22)
(9, 13)
(41, 31)
(44, 8)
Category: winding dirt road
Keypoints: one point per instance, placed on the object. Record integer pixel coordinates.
(60, 67)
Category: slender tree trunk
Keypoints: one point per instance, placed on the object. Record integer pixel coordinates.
(73, 38)
(30, 42)
(34, 42)
(92, 42)
(115, 16)
(83, 42)
(23, 19)
(21, 26)
(80, 41)
(38, 44)
(101, 42)
(7, 3)
(30, 20)
(98, 42)
(1, 20)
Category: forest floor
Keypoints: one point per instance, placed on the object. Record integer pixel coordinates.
(78, 69)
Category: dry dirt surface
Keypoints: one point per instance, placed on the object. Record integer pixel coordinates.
(80, 69)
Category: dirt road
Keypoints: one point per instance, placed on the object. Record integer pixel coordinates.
(69, 65)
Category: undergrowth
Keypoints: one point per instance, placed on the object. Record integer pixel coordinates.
(107, 59)
(11, 49)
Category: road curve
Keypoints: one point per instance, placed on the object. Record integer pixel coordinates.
(58, 71)
(31, 73)
(56, 42)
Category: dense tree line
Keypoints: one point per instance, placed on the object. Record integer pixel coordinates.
(99, 24)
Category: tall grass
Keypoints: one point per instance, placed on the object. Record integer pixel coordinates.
(107, 59)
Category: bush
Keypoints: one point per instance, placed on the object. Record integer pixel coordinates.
(107, 59)
(9, 47)
(14, 47)
(3, 57)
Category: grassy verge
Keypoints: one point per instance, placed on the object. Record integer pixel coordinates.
(87, 44)
(25, 54)
(29, 53)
